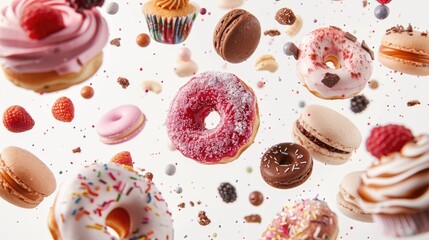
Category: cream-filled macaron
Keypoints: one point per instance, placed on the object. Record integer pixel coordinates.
(24, 179)
(329, 136)
(348, 198)
(405, 50)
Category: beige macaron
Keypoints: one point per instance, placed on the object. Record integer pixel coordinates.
(405, 50)
(330, 137)
(348, 198)
(24, 179)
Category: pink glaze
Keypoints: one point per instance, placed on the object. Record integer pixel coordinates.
(355, 63)
(120, 124)
(185, 54)
(204, 93)
(65, 51)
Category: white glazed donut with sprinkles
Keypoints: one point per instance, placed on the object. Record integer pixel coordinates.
(110, 195)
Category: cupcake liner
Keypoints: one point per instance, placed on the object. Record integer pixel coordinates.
(404, 224)
(170, 30)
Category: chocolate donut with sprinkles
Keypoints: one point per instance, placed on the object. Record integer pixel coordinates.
(236, 104)
(286, 165)
(114, 196)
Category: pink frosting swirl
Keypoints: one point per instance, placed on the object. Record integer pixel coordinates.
(65, 51)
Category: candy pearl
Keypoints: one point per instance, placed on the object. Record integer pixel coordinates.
(170, 170)
(178, 190)
(112, 8)
(381, 12)
(286, 49)
(185, 54)
(203, 11)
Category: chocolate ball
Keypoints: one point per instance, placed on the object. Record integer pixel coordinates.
(256, 198)
(143, 40)
(87, 92)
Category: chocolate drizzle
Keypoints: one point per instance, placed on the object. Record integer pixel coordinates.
(317, 141)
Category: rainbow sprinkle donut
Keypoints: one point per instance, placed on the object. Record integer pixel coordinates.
(110, 195)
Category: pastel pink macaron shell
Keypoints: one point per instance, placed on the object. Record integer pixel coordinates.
(118, 121)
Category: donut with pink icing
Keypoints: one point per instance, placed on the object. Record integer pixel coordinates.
(351, 63)
(110, 195)
(232, 99)
(120, 124)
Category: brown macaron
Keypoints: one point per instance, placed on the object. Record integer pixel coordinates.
(405, 50)
(24, 179)
(237, 36)
(286, 165)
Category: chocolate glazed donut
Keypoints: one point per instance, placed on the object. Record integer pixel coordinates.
(286, 165)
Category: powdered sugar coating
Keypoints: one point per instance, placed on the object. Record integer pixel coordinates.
(206, 92)
(354, 63)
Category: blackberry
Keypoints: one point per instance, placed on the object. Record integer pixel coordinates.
(358, 103)
(227, 192)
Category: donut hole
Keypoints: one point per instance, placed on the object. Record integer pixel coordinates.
(285, 161)
(332, 62)
(212, 120)
(112, 232)
(115, 117)
(118, 223)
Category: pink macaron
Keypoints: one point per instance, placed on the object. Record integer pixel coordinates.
(120, 124)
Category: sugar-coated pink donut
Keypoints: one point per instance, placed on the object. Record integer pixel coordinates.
(353, 64)
(120, 124)
(237, 106)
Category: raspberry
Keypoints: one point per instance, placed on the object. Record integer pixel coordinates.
(384, 1)
(40, 21)
(123, 158)
(16, 119)
(227, 192)
(79, 5)
(63, 109)
(387, 139)
(358, 103)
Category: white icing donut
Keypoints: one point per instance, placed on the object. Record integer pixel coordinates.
(85, 202)
(353, 64)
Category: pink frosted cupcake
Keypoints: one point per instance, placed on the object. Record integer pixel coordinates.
(46, 45)
(169, 21)
(395, 189)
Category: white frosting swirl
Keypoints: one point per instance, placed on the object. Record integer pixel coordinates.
(398, 182)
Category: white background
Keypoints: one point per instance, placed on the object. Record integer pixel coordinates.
(53, 141)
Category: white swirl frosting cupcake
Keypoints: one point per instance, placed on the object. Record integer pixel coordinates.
(395, 189)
